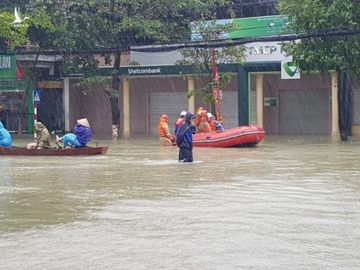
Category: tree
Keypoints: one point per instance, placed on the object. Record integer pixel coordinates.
(88, 24)
(325, 52)
(14, 35)
(202, 58)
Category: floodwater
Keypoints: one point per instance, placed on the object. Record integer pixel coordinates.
(289, 203)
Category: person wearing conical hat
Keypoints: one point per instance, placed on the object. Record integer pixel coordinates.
(80, 137)
(83, 131)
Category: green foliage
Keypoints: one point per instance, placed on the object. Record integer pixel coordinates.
(201, 58)
(14, 35)
(11, 35)
(86, 65)
(324, 53)
(93, 24)
(89, 83)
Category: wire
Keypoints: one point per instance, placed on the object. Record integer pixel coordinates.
(202, 44)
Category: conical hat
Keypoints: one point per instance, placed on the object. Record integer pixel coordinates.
(84, 122)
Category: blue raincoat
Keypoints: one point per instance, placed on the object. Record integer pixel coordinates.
(83, 134)
(5, 137)
(70, 140)
(184, 139)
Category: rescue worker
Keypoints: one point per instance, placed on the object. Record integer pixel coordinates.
(180, 120)
(5, 137)
(164, 132)
(42, 139)
(184, 139)
(198, 116)
(214, 124)
(202, 124)
(80, 137)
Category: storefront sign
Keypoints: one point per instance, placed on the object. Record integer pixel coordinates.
(143, 71)
(7, 67)
(264, 52)
(12, 85)
(248, 27)
(258, 26)
(50, 84)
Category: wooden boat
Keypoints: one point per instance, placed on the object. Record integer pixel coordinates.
(23, 151)
(239, 136)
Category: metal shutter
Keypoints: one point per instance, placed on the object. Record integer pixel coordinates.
(170, 103)
(304, 111)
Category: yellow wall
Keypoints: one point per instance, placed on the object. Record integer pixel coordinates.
(356, 131)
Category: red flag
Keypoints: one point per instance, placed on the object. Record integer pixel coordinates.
(20, 74)
(216, 88)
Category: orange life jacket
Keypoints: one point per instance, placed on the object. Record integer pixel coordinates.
(213, 125)
(163, 129)
(203, 125)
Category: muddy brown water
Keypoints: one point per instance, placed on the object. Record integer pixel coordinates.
(289, 203)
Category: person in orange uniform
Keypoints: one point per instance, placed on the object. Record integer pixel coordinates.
(198, 116)
(201, 121)
(166, 139)
(214, 124)
(212, 121)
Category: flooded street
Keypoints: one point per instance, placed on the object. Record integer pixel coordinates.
(289, 203)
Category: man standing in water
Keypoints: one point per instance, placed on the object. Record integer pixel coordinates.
(166, 139)
(184, 139)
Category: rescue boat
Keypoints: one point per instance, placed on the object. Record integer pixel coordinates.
(23, 151)
(233, 137)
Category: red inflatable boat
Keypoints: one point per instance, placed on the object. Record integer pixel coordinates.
(239, 136)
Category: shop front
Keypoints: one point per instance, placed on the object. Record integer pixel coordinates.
(14, 109)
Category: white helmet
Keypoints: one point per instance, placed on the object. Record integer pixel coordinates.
(209, 116)
(183, 113)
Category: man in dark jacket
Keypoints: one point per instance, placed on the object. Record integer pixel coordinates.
(184, 139)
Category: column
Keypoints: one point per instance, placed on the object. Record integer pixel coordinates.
(191, 88)
(260, 100)
(126, 107)
(243, 96)
(66, 99)
(334, 105)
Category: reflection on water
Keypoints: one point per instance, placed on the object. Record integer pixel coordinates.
(290, 203)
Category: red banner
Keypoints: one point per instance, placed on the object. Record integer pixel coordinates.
(216, 88)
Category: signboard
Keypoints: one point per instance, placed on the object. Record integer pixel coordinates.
(248, 27)
(12, 85)
(36, 96)
(264, 52)
(289, 70)
(270, 101)
(258, 26)
(7, 66)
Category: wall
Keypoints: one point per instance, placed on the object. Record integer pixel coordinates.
(95, 106)
(142, 120)
(356, 111)
(300, 106)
